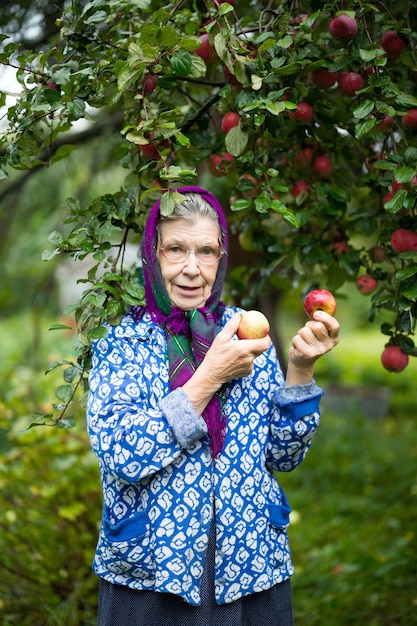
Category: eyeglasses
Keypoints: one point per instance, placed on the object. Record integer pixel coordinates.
(177, 253)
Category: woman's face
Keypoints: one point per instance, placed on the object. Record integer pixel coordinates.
(188, 283)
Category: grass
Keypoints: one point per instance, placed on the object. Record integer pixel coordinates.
(354, 522)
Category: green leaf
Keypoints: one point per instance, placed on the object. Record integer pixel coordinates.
(167, 37)
(181, 62)
(240, 205)
(198, 67)
(406, 272)
(167, 204)
(99, 332)
(410, 293)
(287, 214)
(364, 109)
(236, 141)
(404, 174)
(220, 46)
(275, 108)
(64, 392)
(47, 255)
(56, 238)
(363, 128)
(267, 44)
(225, 8)
(256, 82)
(135, 290)
(60, 327)
(397, 202)
(406, 100)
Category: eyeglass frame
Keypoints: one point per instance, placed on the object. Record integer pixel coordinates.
(221, 250)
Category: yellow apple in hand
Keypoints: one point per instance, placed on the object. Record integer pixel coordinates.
(253, 325)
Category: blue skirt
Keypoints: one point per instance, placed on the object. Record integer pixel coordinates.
(121, 606)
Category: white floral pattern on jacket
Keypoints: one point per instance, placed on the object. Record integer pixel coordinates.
(160, 485)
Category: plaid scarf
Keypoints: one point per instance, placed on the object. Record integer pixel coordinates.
(189, 334)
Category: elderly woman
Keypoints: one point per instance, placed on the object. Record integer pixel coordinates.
(190, 425)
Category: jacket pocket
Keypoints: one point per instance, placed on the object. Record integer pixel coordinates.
(125, 547)
(279, 514)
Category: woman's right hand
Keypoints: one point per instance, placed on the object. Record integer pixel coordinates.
(225, 360)
(228, 358)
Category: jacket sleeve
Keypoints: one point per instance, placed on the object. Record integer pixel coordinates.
(136, 426)
(295, 416)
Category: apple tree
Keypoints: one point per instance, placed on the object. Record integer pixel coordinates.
(301, 116)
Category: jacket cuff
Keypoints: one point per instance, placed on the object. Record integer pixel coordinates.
(181, 416)
(299, 400)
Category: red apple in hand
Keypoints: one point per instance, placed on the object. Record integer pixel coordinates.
(253, 325)
(319, 300)
(366, 284)
(394, 359)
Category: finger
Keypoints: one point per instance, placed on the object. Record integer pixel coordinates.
(230, 328)
(331, 323)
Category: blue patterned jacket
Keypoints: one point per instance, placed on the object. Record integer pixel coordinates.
(160, 485)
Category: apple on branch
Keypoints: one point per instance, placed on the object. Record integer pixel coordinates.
(229, 121)
(253, 325)
(392, 43)
(349, 83)
(394, 359)
(366, 284)
(319, 300)
(343, 27)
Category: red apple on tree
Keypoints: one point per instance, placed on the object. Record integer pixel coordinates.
(366, 284)
(385, 124)
(404, 240)
(253, 325)
(230, 120)
(51, 85)
(322, 78)
(349, 83)
(340, 247)
(323, 166)
(220, 163)
(319, 300)
(410, 120)
(151, 149)
(303, 158)
(392, 43)
(149, 84)
(303, 113)
(394, 359)
(378, 254)
(343, 27)
(299, 187)
(205, 50)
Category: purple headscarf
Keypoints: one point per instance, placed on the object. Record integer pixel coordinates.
(189, 334)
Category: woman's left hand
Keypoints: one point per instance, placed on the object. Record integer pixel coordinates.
(315, 338)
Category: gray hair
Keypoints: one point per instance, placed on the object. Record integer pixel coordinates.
(192, 207)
